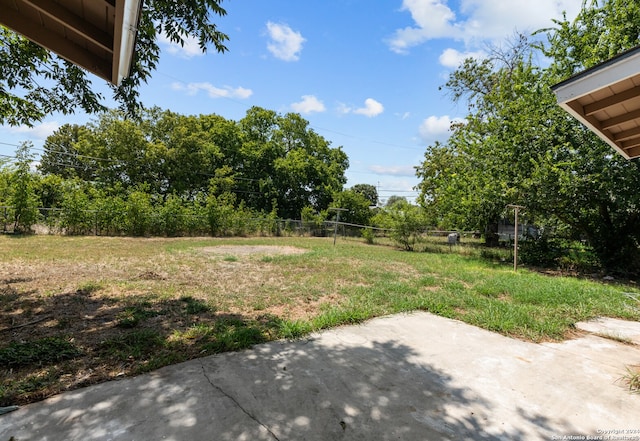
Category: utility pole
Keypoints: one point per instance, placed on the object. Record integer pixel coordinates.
(516, 209)
(335, 228)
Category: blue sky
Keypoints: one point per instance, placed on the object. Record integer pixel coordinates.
(365, 73)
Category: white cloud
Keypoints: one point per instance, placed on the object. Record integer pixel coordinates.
(371, 108)
(432, 18)
(213, 91)
(453, 59)
(479, 20)
(393, 170)
(285, 43)
(309, 104)
(435, 127)
(40, 131)
(190, 49)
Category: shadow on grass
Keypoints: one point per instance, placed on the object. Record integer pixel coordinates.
(49, 344)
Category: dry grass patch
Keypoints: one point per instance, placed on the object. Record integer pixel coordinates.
(252, 250)
(76, 311)
(124, 306)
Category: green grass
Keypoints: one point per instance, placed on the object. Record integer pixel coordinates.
(195, 306)
(132, 316)
(42, 352)
(132, 305)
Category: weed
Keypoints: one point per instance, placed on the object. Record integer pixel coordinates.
(134, 344)
(230, 259)
(632, 378)
(339, 316)
(368, 235)
(131, 316)
(89, 288)
(235, 340)
(41, 352)
(293, 329)
(34, 383)
(194, 306)
(195, 332)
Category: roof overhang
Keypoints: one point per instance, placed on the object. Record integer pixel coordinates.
(606, 99)
(98, 35)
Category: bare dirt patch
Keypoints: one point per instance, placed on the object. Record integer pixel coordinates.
(122, 307)
(248, 250)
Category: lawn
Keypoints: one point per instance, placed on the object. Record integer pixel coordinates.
(76, 311)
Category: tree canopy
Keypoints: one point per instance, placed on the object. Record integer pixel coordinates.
(35, 82)
(267, 160)
(518, 147)
(368, 191)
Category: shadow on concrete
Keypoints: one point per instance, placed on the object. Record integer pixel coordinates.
(305, 390)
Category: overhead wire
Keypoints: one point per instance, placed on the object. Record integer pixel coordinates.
(313, 126)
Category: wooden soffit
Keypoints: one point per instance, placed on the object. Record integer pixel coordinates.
(98, 35)
(606, 99)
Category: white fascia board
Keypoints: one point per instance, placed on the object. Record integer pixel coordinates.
(616, 70)
(129, 31)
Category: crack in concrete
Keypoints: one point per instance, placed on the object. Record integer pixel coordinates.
(238, 405)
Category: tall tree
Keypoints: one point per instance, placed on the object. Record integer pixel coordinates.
(394, 199)
(267, 160)
(25, 66)
(357, 206)
(61, 155)
(23, 198)
(467, 182)
(368, 191)
(518, 146)
(287, 162)
(594, 186)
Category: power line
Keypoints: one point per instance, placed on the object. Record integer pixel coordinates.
(399, 191)
(12, 145)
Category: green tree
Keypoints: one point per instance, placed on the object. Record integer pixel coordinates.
(588, 186)
(110, 211)
(139, 212)
(265, 159)
(192, 153)
(76, 216)
(602, 30)
(487, 161)
(6, 175)
(394, 199)
(24, 200)
(357, 205)
(367, 190)
(50, 191)
(220, 212)
(61, 156)
(111, 150)
(286, 161)
(518, 146)
(25, 66)
(406, 223)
